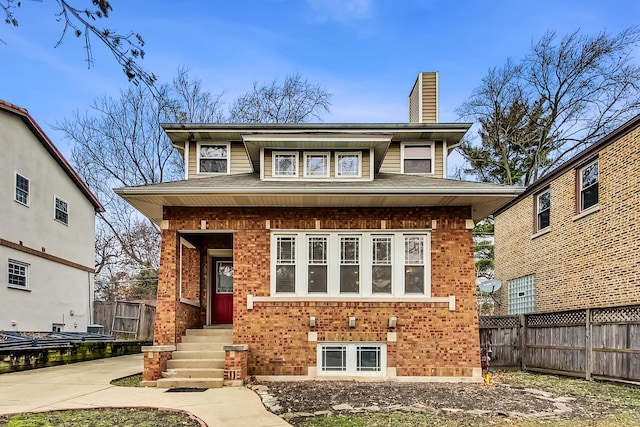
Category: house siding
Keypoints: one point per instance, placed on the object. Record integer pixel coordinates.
(591, 261)
(392, 161)
(238, 163)
(431, 340)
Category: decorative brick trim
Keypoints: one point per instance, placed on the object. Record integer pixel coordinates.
(41, 254)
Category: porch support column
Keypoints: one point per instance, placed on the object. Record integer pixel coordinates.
(168, 292)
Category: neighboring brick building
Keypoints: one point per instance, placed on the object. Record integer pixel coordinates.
(572, 239)
(331, 249)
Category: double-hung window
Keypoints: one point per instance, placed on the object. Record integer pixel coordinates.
(317, 269)
(349, 264)
(381, 268)
(22, 190)
(61, 210)
(285, 264)
(213, 158)
(414, 263)
(285, 164)
(417, 158)
(18, 273)
(588, 186)
(543, 210)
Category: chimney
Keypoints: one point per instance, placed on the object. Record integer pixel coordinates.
(423, 100)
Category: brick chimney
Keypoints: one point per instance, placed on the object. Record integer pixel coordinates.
(423, 100)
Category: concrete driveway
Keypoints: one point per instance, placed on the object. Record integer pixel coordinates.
(86, 385)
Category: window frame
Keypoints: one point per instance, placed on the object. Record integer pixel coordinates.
(351, 360)
(277, 261)
(311, 261)
(338, 169)
(326, 155)
(227, 145)
(580, 190)
(432, 159)
(16, 189)
(55, 210)
(274, 164)
(365, 263)
(538, 212)
(20, 264)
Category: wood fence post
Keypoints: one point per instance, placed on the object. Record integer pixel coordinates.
(523, 341)
(588, 346)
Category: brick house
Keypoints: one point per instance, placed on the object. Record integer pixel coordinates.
(329, 250)
(572, 239)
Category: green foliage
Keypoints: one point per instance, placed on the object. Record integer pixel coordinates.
(110, 417)
(130, 381)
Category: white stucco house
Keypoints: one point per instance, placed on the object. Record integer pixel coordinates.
(46, 233)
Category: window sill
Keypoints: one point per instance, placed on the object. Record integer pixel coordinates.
(450, 300)
(26, 205)
(191, 302)
(586, 212)
(19, 288)
(541, 233)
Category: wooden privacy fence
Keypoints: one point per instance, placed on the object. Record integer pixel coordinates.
(598, 343)
(126, 320)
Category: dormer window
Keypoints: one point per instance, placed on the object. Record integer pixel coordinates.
(417, 158)
(285, 164)
(348, 165)
(213, 158)
(316, 165)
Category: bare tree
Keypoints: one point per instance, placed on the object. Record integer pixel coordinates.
(81, 22)
(296, 101)
(562, 97)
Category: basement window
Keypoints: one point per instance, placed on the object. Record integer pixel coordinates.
(352, 358)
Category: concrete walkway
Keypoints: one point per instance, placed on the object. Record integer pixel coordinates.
(86, 385)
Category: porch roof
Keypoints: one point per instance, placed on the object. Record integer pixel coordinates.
(386, 190)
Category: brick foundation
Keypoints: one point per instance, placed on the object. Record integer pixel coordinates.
(155, 361)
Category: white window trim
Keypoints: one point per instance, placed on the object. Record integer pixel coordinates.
(537, 218)
(581, 188)
(351, 359)
(433, 156)
(55, 208)
(325, 154)
(27, 271)
(15, 188)
(348, 153)
(274, 171)
(365, 258)
(226, 144)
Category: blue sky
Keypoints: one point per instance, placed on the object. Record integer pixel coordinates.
(367, 53)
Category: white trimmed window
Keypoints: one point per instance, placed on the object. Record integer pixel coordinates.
(360, 264)
(285, 266)
(22, 190)
(61, 210)
(349, 165)
(543, 210)
(213, 158)
(589, 180)
(352, 358)
(316, 165)
(417, 158)
(18, 274)
(285, 164)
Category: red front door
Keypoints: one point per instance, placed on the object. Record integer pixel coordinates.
(222, 290)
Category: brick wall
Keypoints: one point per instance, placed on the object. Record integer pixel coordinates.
(584, 262)
(431, 340)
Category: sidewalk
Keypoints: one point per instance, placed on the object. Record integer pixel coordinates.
(86, 385)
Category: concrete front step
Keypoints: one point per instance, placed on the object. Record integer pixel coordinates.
(210, 332)
(201, 346)
(195, 363)
(195, 354)
(189, 382)
(207, 339)
(194, 373)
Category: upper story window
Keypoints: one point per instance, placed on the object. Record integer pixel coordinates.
(22, 190)
(417, 158)
(213, 158)
(348, 165)
(588, 185)
(543, 210)
(18, 273)
(316, 165)
(285, 164)
(61, 210)
(350, 263)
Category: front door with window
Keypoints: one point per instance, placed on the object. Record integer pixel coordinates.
(222, 274)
